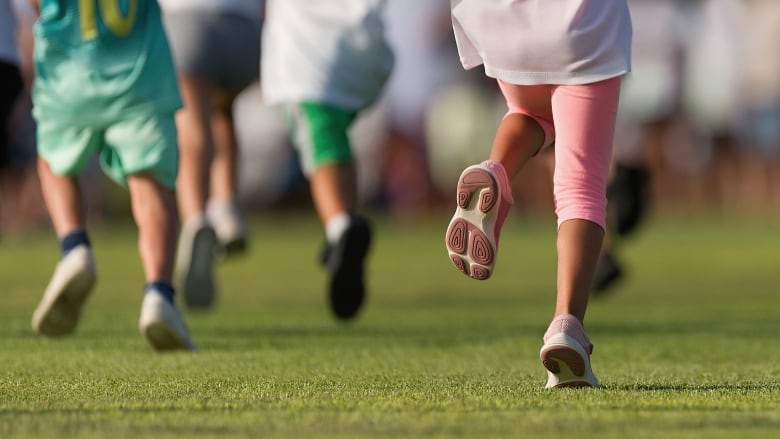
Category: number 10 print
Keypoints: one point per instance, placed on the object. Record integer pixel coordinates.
(111, 15)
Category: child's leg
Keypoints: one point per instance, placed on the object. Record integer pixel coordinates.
(321, 134)
(525, 129)
(154, 211)
(585, 122)
(223, 208)
(74, 277)
(334, 190)
(196, 147)
(224, 175)
(63, 200)
(484, 190)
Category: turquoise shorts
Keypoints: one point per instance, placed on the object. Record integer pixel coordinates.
(136, 145)
(321, 134)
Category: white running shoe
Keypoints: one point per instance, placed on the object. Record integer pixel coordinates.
(566, 354)
(229, 225)
(195, 262)
(484, 197)
(59, 310)
(162, 324)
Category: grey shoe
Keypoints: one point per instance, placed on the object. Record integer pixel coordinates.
(162, 324)
(230, 227)
(195, 263)
(60, 308)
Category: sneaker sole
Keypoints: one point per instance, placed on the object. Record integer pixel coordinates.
(163, 338)
(198, 280)
(235, 247)
(60, 315)
(567, 363)
(468, 241)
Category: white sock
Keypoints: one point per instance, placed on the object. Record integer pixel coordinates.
(336, 227)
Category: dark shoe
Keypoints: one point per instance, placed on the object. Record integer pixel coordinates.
(344, 262)
(608, 273)
(629, 194)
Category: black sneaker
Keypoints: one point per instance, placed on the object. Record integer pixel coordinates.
(344, 262)
(628, 193)
(608, 273)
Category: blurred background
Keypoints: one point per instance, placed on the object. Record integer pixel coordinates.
(700, 117)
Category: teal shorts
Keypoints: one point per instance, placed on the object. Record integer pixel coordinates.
(321, 134)
(136, 145)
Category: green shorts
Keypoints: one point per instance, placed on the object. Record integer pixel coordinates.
(321, 134)
(139, 144)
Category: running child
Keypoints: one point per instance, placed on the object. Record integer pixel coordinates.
(105, 85)
(559, 65)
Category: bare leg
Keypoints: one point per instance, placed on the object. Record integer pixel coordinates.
(196, 147)
(334, 190)
(224, 175)
(63, 200)
(154, 210)
(579, 245)
(518, 138)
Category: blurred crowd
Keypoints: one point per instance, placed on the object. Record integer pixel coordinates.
(700, 113)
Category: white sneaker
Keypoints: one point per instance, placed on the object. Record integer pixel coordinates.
(162, 324)
(566, 354)
(59, 310)
(484, 198)
(195, 262)
(229, 225)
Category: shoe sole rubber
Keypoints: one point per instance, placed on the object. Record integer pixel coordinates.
(198, 280)
(567, 364)
(163, 338)
(468, 241)
(60, 315)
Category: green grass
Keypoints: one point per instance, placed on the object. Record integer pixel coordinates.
(686, 346)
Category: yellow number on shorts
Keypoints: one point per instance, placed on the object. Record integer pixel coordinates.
(110, 13)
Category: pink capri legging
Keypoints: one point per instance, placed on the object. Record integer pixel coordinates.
(580, 120)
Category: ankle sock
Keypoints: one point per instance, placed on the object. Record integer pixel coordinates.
(73, 240)
(162, 287)
(336, 227)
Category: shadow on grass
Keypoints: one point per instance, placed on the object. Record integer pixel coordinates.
(742, 388)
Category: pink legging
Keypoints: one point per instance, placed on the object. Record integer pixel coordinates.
(580, 120)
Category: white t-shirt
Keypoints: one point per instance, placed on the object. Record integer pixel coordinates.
(9, 51)
(544, 41)
(332, 52)
(250, 8)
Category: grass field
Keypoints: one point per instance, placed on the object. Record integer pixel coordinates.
(687, 346)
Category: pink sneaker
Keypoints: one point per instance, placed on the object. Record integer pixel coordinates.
(566, 354)
(484, 199)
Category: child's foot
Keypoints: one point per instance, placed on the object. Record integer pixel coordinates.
(344, 261)
(566, 354)
(484, 199)
(59, 310)
(162, 324)
(195, 262)
(230, 227)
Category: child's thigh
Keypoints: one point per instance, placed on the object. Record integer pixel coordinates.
(145, 143)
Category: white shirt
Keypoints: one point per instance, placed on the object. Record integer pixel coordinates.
(332, 52)
(544, 41)
(9, 51)
(250, 8)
